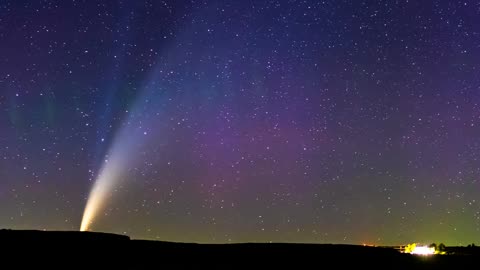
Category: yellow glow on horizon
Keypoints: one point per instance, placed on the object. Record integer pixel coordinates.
(423, 250)
(419, 250)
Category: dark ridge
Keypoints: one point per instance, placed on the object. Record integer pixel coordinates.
(47, 249)
(59, 236)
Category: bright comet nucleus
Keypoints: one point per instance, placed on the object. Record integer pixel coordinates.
(110, 175)
(103, 185)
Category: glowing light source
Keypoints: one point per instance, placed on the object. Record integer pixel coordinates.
(423, 250)
(95, 200)
(99, 193)
(419, 250)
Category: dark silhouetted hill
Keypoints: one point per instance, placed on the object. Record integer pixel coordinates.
(68, 250)
(59, 236)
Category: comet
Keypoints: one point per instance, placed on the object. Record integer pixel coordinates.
(100, 191)
(132, 143)
(110, 176)
(133, 139)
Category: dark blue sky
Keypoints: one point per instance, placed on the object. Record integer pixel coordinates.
(291, 121)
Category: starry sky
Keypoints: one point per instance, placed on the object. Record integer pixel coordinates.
(244, 121)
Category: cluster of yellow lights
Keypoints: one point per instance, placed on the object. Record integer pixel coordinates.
(423, 250)
(419, 250)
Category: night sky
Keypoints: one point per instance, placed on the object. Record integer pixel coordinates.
(243, 121)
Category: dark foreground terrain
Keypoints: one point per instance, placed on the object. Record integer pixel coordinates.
(74, 250)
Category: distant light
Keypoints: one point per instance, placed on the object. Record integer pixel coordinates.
(423, 250)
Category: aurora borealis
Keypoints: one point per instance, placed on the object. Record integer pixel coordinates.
(243, 121)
